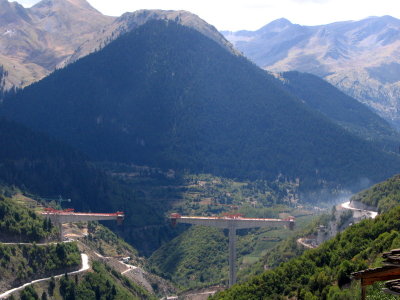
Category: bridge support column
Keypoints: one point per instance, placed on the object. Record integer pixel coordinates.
(232, 254)
(60, 228)
(232, 223)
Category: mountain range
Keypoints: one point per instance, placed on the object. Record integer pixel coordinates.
(173, 98)
(359, 57)
(53, 33)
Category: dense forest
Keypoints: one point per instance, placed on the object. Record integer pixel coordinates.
(347, 112)
(20, 224)
(101, 284)
(21, 262)
(3, 75)
(173, 98)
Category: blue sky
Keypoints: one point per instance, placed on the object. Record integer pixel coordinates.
(253, 14)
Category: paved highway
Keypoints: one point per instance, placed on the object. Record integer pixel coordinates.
(84, 268)
(346, 205)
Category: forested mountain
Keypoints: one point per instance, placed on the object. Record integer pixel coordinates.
(341, 108)
(324, 272)
(359, 57)
(173, 98)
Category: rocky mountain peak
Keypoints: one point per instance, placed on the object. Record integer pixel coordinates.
(44, 7)
(185, 18)
(132, 20)
(276, 26)
(33, 41)
(12, 12)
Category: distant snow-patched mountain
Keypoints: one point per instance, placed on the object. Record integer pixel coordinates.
(33, 41)
(362, 58)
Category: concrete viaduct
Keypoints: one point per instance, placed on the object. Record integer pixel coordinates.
(232, 223)
(59, 217)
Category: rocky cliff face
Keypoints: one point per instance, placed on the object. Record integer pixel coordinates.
(35, 40)
(362, 58)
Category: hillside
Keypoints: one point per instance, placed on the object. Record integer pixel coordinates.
(19, 224)
(22, 263)
(342, 109)
(175, 99)
(49, 169)
(18, 263)
(383, 196)
(323, 273)
(359, 57)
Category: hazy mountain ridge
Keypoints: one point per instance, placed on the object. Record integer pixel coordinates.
(360, 57)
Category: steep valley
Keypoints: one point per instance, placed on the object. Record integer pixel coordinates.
(25, 262)
(154, 113)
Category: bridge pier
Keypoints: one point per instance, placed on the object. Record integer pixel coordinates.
(232, 223)
(232, 254)
(61, 234)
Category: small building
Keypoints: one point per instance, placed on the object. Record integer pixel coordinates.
(390, 272)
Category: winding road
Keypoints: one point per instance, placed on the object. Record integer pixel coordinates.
(84, 268)
(345, 205)
(372, 214)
